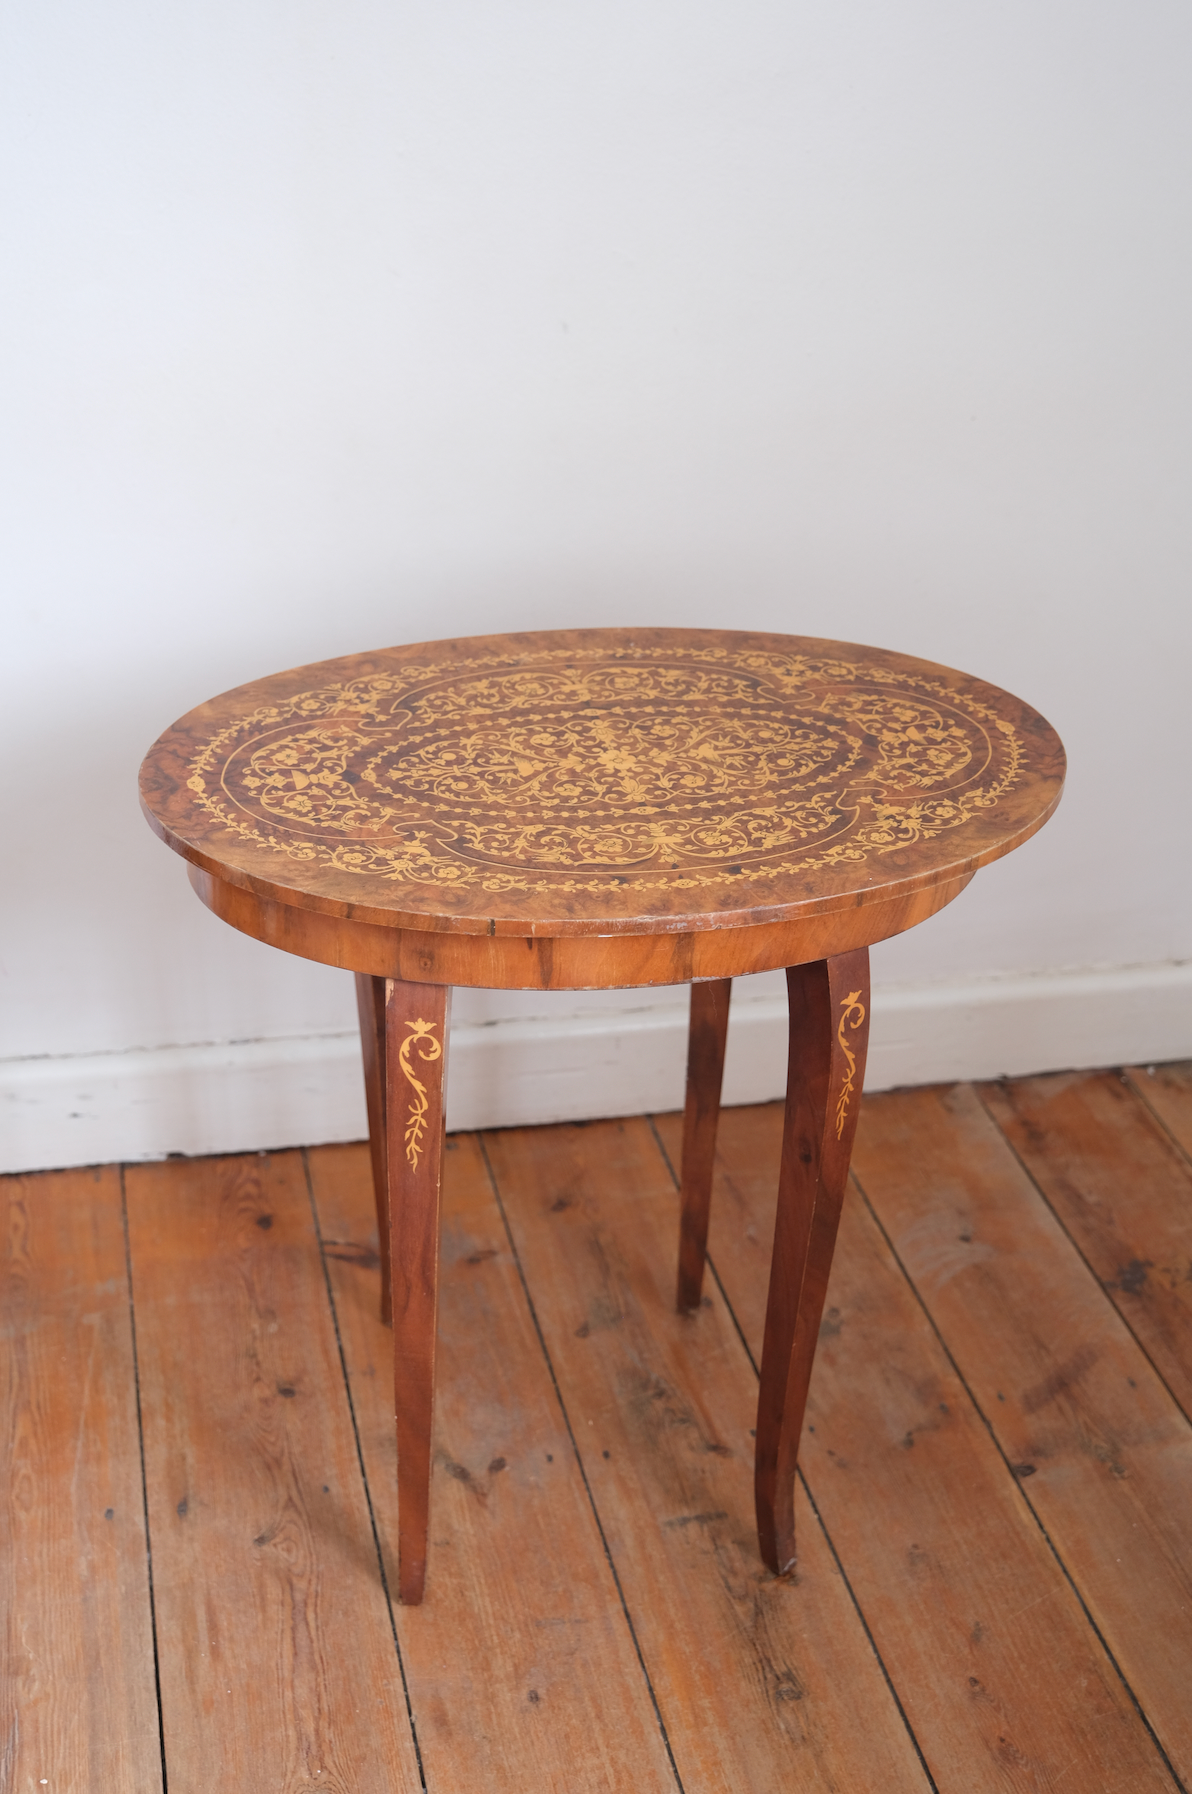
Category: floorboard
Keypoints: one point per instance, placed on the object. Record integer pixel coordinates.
(1102, 1451)
(521, 1665)
(1167, 1092)
(1123, 1190)
(763, 1684)
(77, 1703)
(907, 1478)
(994, 1582)
(277, 1663)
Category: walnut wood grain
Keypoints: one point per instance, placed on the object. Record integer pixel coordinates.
(417, 1023)
(615, 962)
(601, 782)
(370, 1007)
(829, 1033)
(706, 1038)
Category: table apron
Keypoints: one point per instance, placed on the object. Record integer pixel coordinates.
(565, 962)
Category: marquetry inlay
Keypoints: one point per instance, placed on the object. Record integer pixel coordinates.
(580, 770)
(591, 774)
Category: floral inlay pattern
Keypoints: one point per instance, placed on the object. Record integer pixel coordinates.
(422, 1035)
(577, 769)
(854, 1016)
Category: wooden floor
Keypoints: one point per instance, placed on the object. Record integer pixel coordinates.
(994, 1588)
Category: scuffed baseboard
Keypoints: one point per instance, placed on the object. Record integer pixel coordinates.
(259, 1094)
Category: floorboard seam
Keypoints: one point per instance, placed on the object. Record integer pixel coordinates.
(1076, 1247)
(894, 1695)
(136, 1379)
(372, 1518)
(1153, 1115)
(492, 1178)
(1030, 1506)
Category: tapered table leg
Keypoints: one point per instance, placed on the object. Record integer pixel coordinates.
(416, 1023)
(829, 1030)
(705, 1074)
(370, 1006)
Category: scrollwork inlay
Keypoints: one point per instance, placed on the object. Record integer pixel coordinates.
(429, 1049)
(575, 769)
(854, 1016)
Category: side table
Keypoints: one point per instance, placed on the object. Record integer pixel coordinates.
(592, 810)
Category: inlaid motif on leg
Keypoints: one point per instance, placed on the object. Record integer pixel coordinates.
(422, 1034)
(852, 1018)
(416, 1029)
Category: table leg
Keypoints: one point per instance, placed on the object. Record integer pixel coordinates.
(370, 1006)
(829, 1030)
(417, 1017)
(705, 1074)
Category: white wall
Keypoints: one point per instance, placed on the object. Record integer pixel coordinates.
(328, 325)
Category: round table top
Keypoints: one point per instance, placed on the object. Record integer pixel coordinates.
(602, 781)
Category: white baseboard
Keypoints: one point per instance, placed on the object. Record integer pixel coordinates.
(258, 1094)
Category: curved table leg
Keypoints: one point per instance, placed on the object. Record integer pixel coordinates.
(705, 1074)
(417, 1017)
(370, 1006)
(829, 1031)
